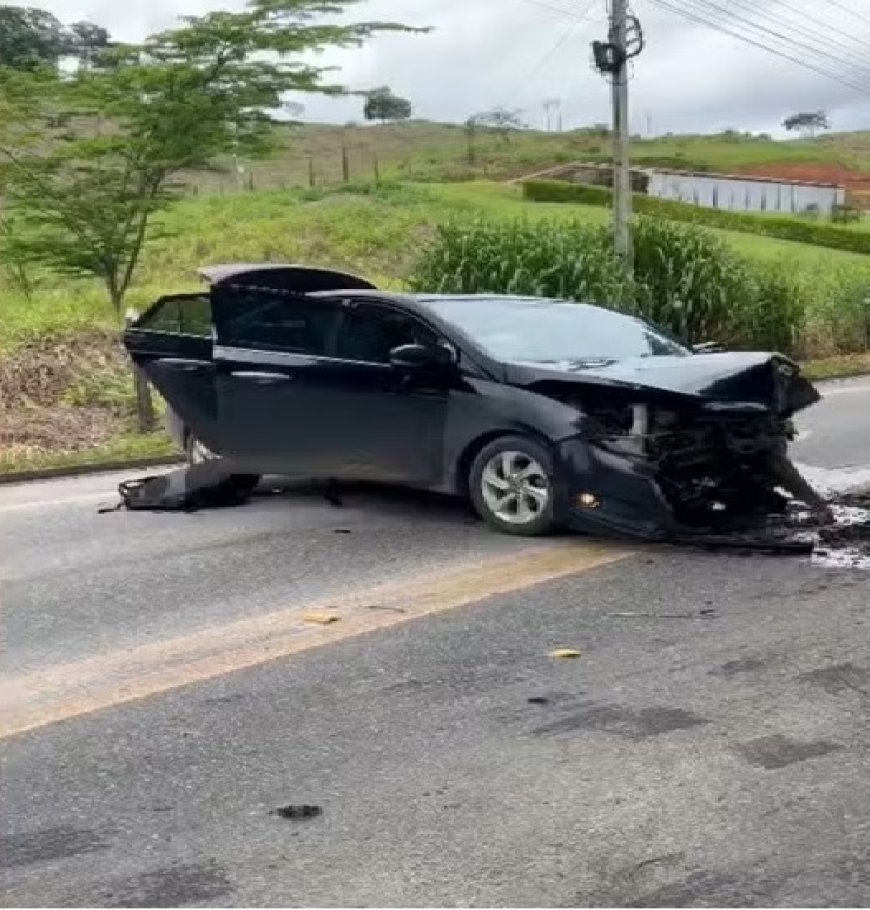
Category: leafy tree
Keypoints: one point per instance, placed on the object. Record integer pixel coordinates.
(87, 161)
(500, 120)
(807, 122)
(30, 37)
(381, 104)
(174, 105)
(89, 43)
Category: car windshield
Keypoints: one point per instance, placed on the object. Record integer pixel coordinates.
(536, 330)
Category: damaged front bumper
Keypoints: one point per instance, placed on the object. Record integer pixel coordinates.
(603, 492)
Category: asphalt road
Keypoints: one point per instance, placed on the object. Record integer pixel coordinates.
(169, 681)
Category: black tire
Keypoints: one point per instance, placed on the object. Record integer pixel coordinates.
(534, 497)
(195, 453)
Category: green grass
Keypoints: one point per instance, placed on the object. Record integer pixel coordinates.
(376, 234)
(127, 447)
(837, 367)
(421, 150)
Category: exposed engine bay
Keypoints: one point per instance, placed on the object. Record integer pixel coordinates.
(719, 465)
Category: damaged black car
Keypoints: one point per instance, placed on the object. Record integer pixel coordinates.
(545, 413)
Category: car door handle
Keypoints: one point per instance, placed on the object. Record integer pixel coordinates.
(183, 366)
(260, 378)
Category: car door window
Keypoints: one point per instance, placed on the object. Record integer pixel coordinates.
(369, 333)
(187, 314)
(278, 322)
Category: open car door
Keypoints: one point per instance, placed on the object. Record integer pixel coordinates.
(172, 342)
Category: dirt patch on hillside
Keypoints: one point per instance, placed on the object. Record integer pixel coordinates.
(63, 396)
(857, 183)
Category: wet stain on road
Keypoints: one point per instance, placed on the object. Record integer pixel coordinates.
(743, 665)
(774, 752)
(49, 844)
(839, 678)
(621, 721)
(173, 886)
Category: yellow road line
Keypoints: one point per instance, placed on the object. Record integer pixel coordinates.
(58, 693)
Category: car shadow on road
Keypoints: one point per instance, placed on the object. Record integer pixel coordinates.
(379, 499)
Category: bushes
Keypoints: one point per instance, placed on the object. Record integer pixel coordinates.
(783, 228)
(685, 279)
(550, 259)
(562, 191)
(688, 280)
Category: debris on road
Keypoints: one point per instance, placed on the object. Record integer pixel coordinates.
(207, 485)
(321, 619)
(297, 813)
(565, 654)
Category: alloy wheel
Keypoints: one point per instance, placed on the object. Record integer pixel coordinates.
(515, 487)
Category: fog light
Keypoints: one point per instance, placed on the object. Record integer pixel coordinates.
(588, 501)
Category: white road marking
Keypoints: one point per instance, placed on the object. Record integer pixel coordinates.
(846, 390)
(53, 503)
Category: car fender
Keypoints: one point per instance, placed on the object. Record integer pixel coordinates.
(491, 409)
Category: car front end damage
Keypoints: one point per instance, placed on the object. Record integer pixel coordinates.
(658, 464)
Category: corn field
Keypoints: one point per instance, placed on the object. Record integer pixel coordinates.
(684, 279)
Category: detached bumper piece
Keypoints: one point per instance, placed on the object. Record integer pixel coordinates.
(209, 485)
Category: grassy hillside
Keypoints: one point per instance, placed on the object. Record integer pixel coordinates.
(373, 232)
(421, 150)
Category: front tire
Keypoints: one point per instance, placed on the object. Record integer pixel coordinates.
(511, 487)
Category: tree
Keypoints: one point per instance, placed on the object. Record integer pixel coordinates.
(499, 119)
(88, 43)
(808, 122)
(173, 105)
(86, 161)
(30, 37)
(381, 104)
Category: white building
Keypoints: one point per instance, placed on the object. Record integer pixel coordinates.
(745, 194)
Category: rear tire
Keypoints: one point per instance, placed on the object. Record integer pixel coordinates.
(197, 453)
(511, 486)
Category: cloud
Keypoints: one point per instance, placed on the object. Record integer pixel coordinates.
(517, 53)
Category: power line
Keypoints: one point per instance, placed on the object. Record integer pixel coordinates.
(556, 9)
(579, 19)
(696, 16)
(816, 33)
(791, 43)
(818, 23)
(845, 9)
(568, 33)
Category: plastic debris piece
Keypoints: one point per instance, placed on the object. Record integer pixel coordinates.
(321, 619)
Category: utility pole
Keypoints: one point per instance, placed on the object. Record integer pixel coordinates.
(625, 41)
(621, 150)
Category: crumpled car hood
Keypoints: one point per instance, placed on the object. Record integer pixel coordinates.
(723, 382)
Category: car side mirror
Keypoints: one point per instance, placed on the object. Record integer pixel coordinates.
(421, 357)
(708, 347)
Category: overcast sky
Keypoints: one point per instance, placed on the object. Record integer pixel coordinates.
(517, 53)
